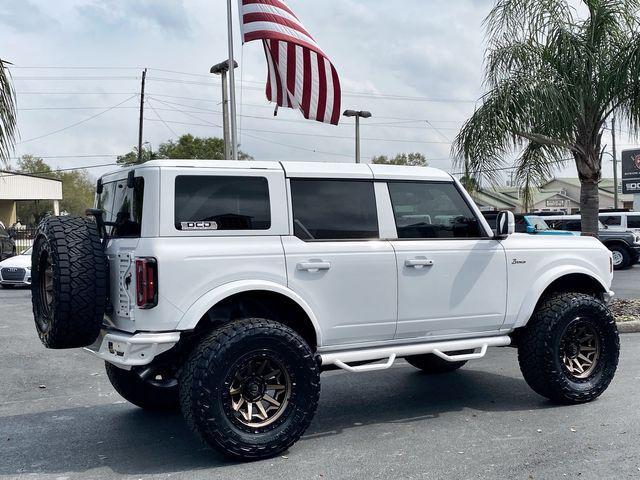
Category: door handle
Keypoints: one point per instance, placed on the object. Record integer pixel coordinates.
(313, 266)
(418, 263)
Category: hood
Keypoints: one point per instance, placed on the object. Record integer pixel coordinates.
(19, 261)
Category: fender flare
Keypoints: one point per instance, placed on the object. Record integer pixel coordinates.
(528, 306)
(201, 306)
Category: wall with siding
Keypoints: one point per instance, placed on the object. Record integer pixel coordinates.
(23, 187)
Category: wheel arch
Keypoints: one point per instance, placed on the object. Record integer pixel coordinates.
(253, 298)
(578, 280)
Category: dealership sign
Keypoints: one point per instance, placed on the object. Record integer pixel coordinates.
(631, 171)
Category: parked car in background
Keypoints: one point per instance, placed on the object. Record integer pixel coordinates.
(7, 245)
(625, 246)
(531, 224)
(628, 221)
(16, 271)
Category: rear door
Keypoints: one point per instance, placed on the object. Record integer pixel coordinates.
(452, 278)
(337, 262)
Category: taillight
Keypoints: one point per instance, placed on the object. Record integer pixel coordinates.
(146, 282)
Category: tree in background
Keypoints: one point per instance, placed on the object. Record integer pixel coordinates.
(554, 79)
(77, 191)
(131, 158)
(186, 147)
(7, 114)
(409, 159)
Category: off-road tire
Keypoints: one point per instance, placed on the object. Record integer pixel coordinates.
(434, 365)
(626, 257)
(204, 388)
(68, 313)
(144, 394)
(540, 355)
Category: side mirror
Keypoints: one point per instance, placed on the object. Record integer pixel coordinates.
(505, 224)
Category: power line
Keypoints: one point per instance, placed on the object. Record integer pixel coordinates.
(76, 123)
(161, 119)
(208, 124)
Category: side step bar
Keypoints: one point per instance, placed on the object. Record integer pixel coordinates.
(342, 359)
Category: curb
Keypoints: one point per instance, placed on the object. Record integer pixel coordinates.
(629, 327)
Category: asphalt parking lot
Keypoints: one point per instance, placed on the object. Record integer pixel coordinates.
(626, 283)
(60, 419)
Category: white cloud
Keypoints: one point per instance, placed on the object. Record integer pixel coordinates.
(413, 48)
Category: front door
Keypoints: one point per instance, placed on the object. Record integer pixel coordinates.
(451, 275)
(337, 263)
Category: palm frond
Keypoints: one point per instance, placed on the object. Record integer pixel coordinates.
(8, 128)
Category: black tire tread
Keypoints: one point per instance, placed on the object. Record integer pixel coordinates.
(133, 389)
(197, 366)
(536, 349)
(626, 257)
(80, 281)
(433, 365)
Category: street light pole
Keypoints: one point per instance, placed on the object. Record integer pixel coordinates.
(357, 115)
(222, 69)
(232, 90)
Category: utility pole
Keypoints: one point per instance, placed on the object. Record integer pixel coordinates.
(141, 125)
(615, 162)
(357, 114)
(232, 86)
(222, 69)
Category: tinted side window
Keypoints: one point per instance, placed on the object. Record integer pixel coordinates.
(222, 203)
(521, 224)
(573, 225)
(633, 221)
(432, 210)
(611, 220)
(122, 207)
(334, 209)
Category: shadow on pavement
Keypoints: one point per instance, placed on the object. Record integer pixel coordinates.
(130, 441)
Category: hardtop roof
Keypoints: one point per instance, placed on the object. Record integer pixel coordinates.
(303, 169)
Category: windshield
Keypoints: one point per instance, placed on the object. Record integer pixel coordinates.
(27, 251)
(538, 223)
(122, 207)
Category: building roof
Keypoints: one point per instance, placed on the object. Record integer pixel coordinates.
(21, 186)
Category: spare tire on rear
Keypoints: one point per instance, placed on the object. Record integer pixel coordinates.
(68, 282)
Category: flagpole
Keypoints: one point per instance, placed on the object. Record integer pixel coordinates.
(232, 86)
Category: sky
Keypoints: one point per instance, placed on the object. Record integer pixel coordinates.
(415, 64)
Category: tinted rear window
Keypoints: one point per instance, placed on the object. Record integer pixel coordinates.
(334, 210)
(633, 221)
(222, 203)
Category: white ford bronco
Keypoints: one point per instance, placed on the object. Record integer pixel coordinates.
(225, 288)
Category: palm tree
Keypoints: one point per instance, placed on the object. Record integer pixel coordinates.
(554, 76)
(7, 114)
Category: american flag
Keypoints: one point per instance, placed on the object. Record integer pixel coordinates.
(300, 74)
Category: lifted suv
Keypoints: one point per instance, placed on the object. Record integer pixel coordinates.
(225, 288)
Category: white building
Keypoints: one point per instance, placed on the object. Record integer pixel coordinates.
(17, 187)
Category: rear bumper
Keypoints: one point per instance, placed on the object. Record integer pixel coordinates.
(130, 350)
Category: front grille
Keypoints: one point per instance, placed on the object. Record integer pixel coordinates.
(11, 274)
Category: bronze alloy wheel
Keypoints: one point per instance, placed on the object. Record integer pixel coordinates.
(46, 283)
(580, 348)
(259, 391)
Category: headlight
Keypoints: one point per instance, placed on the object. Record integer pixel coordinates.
(637, 238)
